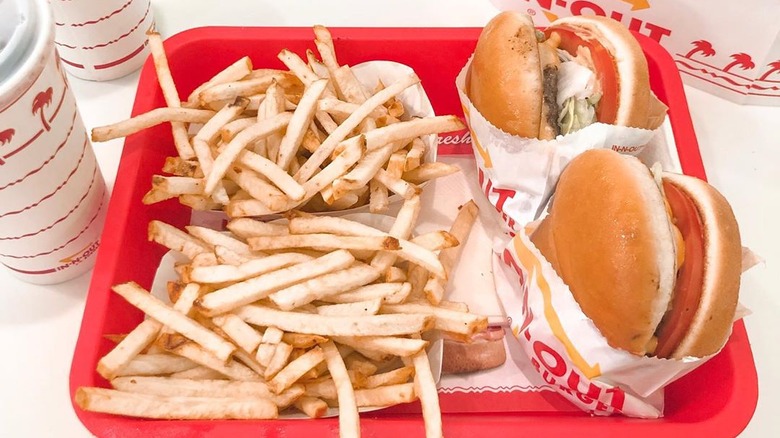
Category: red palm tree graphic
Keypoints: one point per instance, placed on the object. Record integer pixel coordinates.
(743, 60)
(701, 46)
(42, 99)
(5, 138)
(773, 67)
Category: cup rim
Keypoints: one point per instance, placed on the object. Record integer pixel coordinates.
(26, 72)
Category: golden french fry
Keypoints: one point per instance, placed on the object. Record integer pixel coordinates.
(425, 389)
(329, 284)
(231, 129)
(127, 349)
(246, 270)
(415, 154)
(377, 325)
(429, 171)
(234, 72)
(391, 293)
(394, 183)
(181, 346)
(446, 319)
(295, 369)
(369, 307)
(257, 187)
(198, 373)
(394, 377)
(379, 201)
(245, 87)
(179, 167)
(436, 240)
(241, 333)
(402, 347)
(274, 173)
(375, 243)
(177, 185)
(299, 122)
(155, 364)
(186, 408)
(180, 138)
(245, 292)
(149, 119)
(231, 151)
(395, 275)
(329, 145)
(460, 229)
(245, 228)
(175, 239)
(280, 354)
(349, 421)
(311, 406)
(142, 299)
(215, 238)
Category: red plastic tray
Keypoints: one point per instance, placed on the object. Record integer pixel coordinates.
(717, 399)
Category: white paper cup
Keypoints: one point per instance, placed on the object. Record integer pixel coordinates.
(102, 40)
(52, 194)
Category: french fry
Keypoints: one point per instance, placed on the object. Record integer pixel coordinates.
(296, 369)
(428, 171)
(385, 395)
(425, 389)
(370, 307)
(234, 72)
(446, 319)
(258, 188)
(395, 275)
(299, 340)
(245, 292)
(241, 333)
(180, 138)
(402, 228)
(460, 229)
(149, 119)
(155, 364)
(391, 293)
(394, 183)
(246, 270)
(328, 146)
(175, 239)
(240, 142)
(140, 298)
(299, 122)
(349, 422)
(436, 240)
(274, 104)
(199, 373)
(177, 185)
(378, 325)
(245, 87)
(127, 349)
(245, 228)
(281, 354)
(329, 284)
(274, 173)
(182, 347)
(403, 347)
(415, 154)
(374, 243)
(311, 406)
(215, 238)
(231, 129)
(178, 167)
(186, 408)
(394, 377)
(379, 201)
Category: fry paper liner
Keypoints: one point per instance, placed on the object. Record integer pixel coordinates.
(522, 172)
(416, 104)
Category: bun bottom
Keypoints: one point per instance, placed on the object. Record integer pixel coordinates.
(462, 357)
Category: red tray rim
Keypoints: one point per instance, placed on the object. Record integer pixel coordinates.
(730, 420)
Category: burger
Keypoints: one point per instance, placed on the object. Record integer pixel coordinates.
(579, 71)
(483, 351)
(653, 259)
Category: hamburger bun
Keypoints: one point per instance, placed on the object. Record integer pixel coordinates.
(610, 237)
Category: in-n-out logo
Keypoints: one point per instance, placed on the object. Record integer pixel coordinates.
(79, 257)
(551, 8)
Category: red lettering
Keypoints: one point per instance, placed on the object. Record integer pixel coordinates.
(635, 24)
(579, 6)
(536, 365)
(601, 407)
(503, 195)
(558, 367)
(574, 380)
(615, 15)
(584, 398)
(548, 378)
(657, 32)
(618, 398)
(565, 389)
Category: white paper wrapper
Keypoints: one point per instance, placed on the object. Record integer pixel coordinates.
(521, 173)
(415, 102)
(568, 350)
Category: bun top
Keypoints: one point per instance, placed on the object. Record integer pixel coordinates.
(504, 81)
(711, 323)
(609, 238)
(637, 106)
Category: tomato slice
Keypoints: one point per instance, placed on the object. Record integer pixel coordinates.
(688, 288)
(606, 70)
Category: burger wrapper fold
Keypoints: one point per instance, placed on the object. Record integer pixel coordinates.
(519, 174)
(565, 347)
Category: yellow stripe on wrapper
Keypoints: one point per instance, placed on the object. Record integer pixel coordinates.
(475, 141)
(534, 268)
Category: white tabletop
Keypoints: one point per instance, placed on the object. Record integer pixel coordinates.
(39, 324)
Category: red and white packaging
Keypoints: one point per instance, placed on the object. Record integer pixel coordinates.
(519, 174)
(102, 40)
(52, 195)
(731, 49)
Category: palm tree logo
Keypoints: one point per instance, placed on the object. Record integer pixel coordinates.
(773, 67)
(5, 138)
(42, 100)
(701, 46)
(743, 60)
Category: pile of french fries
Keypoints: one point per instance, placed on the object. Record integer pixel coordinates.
(319, 312)
(255, 142)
